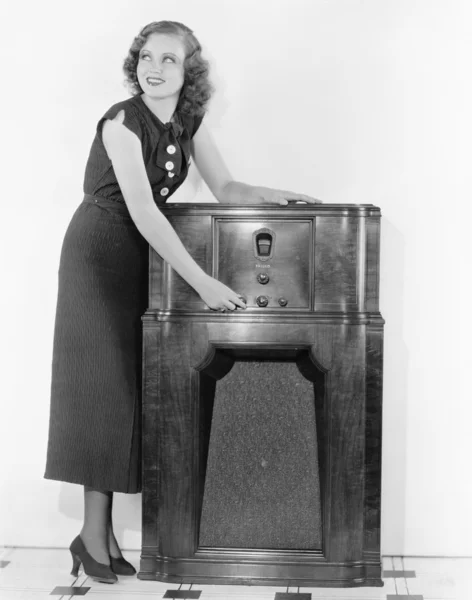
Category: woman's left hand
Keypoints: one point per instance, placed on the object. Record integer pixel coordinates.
(272, 196)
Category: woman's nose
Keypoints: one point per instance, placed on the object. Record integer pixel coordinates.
(156, 66)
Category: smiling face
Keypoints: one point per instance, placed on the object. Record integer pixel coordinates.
(160, 68)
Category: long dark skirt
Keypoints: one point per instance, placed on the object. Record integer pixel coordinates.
(95, 413)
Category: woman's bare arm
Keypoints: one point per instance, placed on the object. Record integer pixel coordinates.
(226, 190)
(125, 152)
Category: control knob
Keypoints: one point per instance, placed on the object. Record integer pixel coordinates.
(262, 300)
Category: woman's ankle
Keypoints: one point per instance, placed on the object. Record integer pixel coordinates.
(96, 545)
(113, 547)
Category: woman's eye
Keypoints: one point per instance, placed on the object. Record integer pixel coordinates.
(144, 56)
(169, 58)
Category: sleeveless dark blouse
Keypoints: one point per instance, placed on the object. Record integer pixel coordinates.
(166, 151)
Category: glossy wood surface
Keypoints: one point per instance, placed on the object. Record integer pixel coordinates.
(335, 338)
(325, 260)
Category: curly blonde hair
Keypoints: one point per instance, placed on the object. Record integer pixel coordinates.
(197, 89)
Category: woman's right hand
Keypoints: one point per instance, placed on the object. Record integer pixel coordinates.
(217, 295)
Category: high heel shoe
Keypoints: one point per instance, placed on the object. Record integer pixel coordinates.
(92, 568)
(120, 566)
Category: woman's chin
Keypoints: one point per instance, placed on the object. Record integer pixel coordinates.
(160, 90)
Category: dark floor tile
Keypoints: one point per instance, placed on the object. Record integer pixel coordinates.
(292, 596)
(398, 574)
(69, 591)
(403, 597)
(184, 594)
(4, 563)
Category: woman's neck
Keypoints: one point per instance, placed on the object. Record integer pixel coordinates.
(163, 108)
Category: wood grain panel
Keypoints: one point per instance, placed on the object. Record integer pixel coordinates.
(373, 438)
(372, 264)
(151, 482)
(175, 443)
(345, 408)
(290, 269)
(336, 263)
(168, 288)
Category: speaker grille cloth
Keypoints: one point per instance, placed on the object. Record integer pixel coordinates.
(262, 482)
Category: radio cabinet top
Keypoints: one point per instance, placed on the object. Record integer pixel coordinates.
(308, 259)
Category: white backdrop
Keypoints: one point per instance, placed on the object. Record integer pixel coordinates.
(357, 101)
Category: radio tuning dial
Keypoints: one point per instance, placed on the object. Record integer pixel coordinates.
(262, 301)
(263, 278)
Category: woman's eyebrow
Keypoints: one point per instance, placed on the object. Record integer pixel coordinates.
(166, 52)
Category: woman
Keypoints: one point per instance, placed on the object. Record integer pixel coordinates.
(139, 157)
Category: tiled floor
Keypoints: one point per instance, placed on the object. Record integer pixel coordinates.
(30, 574)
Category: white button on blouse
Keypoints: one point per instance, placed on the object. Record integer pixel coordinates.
(171, 174)
(164, 191)
(169, 165)
(171, 149)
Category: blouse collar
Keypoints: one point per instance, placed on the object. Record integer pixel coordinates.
(175, 126)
